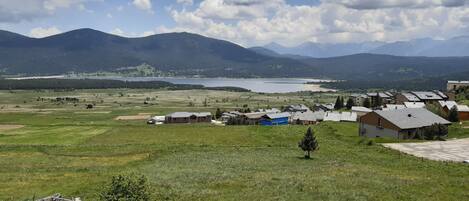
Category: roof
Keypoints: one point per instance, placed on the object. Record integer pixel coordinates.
(188, 114)
(463, 108)
(359, 95)
(410, 97)
(332, 116)
(254, 115)
(414, 104)
(299, 107)
(411, 117)
(348, 116)
(441, 94)
(340, 116)
(458, 82)
(384, 95)
(394, 107)
(361, 109)
(319, 115)
(277, 115)
(451, 104)
(305, 116)
(427, 95)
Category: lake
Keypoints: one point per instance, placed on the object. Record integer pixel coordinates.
(263, 85)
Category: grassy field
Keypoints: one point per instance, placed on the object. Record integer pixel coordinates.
(67, 149)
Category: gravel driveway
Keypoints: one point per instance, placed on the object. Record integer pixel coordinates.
(452, 150)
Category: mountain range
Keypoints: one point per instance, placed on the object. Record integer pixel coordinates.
(454, 47)
(187, 54)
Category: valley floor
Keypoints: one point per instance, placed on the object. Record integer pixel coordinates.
(57, 147)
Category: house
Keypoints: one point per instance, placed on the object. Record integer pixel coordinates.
(252, 118)
(307, 118)
(360, 111)
(463, 110)
(323, 107)
(453, 85)
(401, 124)
(296, 108)
(273, 119)
(429, 96)
(406, 97)
(414, 104)
(358, 99)
(226, 116)
(188, 117)
(382, 97)
(394, 107)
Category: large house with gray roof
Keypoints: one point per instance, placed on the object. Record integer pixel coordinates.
(188, 117)
(401, 124)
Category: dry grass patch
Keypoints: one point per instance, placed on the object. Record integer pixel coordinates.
(141, 116)
(10, 127)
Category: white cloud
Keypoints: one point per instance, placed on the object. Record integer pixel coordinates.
(256, 22)
(143, 5)
(40, 32)
(148, 33)
(109, 15)
(118, 32)
(185, 2)
(120, 8)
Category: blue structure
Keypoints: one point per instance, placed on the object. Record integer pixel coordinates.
(275, 119)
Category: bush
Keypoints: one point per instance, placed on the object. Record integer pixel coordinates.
(126, 187)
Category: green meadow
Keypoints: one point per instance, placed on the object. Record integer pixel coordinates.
(61, 147)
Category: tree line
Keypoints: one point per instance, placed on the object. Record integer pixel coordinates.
(101, 84)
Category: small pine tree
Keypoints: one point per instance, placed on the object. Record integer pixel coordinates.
(453, 115)
(349, 104)
(218, 113)
(367, 103)
(308, 143)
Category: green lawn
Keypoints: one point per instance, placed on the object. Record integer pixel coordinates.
(75, 153)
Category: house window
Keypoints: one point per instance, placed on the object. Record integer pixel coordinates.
(379, 122)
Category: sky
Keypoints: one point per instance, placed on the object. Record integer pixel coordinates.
(245, 22)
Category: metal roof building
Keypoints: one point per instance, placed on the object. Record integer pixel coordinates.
(411, 118)
(414, 104)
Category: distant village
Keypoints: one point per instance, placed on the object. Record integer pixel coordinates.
(401, 115)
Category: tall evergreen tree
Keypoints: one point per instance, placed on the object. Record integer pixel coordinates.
(308, 143)
(366, 103)
(453, 115)
(349, 104)
(338, 105)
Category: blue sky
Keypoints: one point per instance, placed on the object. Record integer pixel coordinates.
(246, 22)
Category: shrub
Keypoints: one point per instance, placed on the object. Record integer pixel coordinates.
(126, 187)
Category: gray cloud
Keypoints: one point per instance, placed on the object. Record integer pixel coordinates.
(414, 4)
(14, 11)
